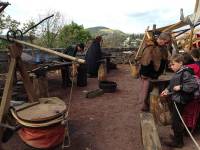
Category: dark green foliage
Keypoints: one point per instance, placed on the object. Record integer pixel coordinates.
(72, 34)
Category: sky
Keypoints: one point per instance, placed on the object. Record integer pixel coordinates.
(129, 16)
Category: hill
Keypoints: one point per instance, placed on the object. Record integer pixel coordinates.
(112, 38)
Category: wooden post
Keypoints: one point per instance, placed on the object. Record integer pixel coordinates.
(5, 102)
(146, 36)
(154, 97)
(40, 85)
(27, 82)
(191, 38)
(150, 138)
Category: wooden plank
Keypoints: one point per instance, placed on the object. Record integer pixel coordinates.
(5, 102)
(150, 138)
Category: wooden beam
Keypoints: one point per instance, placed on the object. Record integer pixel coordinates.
(142, 44)
(50, 51)
(27, 82)
(150, 138)
(5, 102)
(174, 26)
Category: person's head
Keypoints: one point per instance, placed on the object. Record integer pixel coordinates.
(99, 39)
(176, 62)
(164, 39)
(195, 53)
(80, 47)
(187, 59)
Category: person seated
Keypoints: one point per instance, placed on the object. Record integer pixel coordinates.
(72, 51)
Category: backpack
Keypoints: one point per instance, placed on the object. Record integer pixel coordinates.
(196, 93)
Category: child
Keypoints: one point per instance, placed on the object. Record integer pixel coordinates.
(181, 88)
(191, 111)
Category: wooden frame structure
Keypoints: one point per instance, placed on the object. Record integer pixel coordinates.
(16, 62)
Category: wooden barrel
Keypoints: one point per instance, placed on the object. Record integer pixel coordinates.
(45, 112)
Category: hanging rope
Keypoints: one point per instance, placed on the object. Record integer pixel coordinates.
(66, 115)
(195, 142)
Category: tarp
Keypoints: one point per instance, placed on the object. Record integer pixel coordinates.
(47, 137)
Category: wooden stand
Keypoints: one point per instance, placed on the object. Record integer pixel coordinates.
(15, 62)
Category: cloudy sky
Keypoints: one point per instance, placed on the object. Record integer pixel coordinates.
(129, 16)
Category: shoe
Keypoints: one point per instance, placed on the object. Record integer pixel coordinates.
(174, 144)
(145, 108)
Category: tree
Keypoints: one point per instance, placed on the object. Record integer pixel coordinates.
(49, 30)
(72, 34)
(7, 23)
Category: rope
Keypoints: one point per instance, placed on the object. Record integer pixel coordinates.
(65, 116)
(195, 142)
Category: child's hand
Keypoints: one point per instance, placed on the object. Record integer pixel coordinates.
(164, 93)
(177, 88)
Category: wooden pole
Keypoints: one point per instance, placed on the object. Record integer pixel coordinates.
(146, 36)
(48, 50)
(51, 51)
(5, 102)
(191, 37)
(174, 26)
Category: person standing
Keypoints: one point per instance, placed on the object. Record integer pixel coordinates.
(181, 91)
(93, 57)
(152, 64)
(72, 51)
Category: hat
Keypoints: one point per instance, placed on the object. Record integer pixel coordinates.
(165, 36)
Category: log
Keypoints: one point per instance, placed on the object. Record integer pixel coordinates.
(94, 93)
(50, 51)
(150, 138)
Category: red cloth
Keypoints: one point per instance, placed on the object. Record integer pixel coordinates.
(48, 137)
(196, 69)
(192, 109)
(191, 114)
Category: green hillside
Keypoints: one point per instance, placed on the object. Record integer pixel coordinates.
(113, 38)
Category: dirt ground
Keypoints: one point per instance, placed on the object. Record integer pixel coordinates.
(108, 122)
